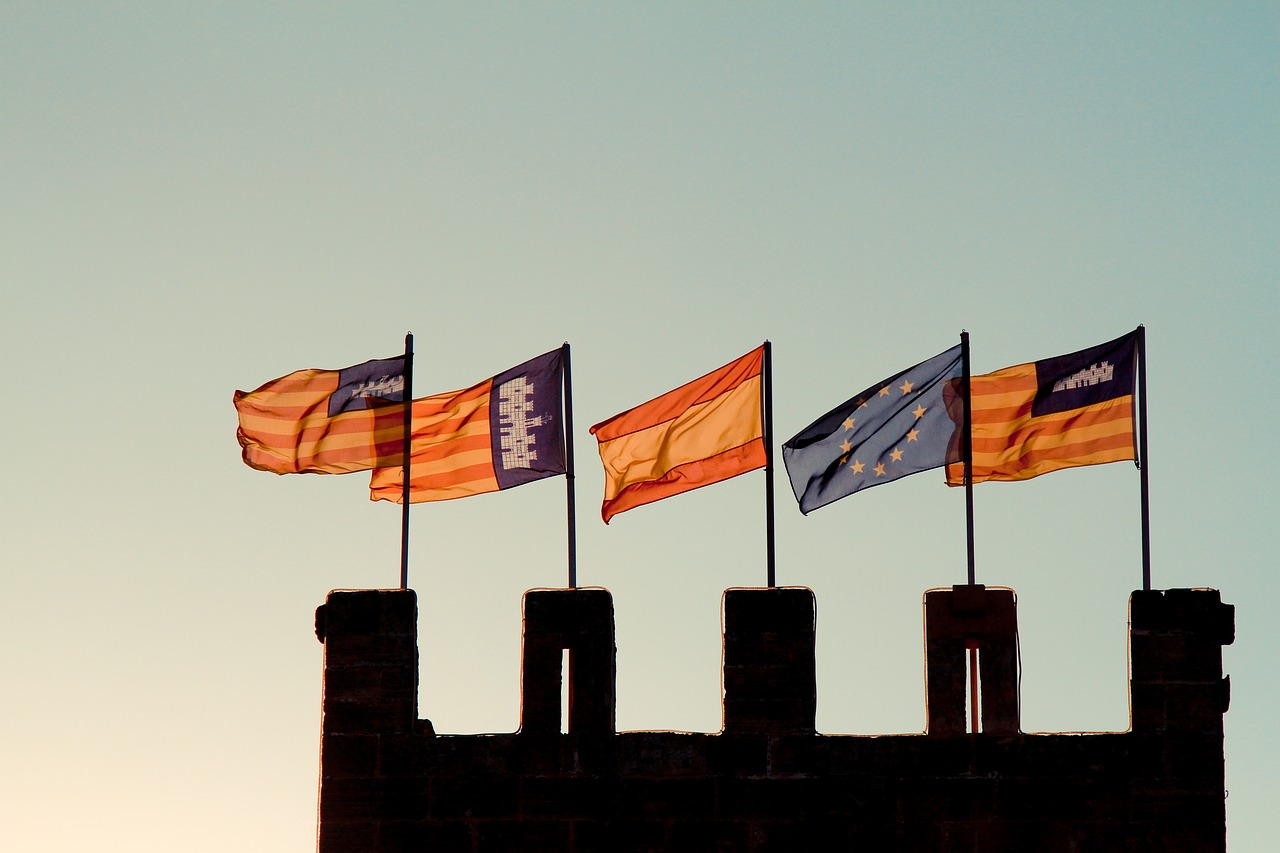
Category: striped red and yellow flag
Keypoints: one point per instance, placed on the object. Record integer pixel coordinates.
(1063, 412)
(701, 433)
(325, 421)
(499, 433)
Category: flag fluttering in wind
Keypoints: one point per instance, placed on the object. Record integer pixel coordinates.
(896, 427)
(502, 432)
(1063, 412)
(325, 421)
(701, 433)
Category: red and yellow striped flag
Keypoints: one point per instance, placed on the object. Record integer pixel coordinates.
(325, 421)
(502, 432)
(701, 433)
(1063, 412)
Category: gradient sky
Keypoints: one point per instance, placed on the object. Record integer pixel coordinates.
(197, 198)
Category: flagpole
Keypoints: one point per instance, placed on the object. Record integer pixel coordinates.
(406, 462)
(570, 503)
(1142, 455)
(966, 450)
(768, 463)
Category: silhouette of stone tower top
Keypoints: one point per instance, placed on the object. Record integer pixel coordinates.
(769, 781)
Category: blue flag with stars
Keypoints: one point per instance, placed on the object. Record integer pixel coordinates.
(894, 428)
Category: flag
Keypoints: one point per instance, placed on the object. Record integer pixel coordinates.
(325, 421)
(701, 433)
(894, 428)
(1057, 413)
(502, 432)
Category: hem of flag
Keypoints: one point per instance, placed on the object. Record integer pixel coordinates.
(691, 475)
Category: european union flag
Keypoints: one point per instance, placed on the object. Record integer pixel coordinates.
(894, 428)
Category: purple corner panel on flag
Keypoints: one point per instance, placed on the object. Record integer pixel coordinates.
(1087, 377)
(526, 421)
(368, 386)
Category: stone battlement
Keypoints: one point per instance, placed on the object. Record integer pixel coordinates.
(768, 781)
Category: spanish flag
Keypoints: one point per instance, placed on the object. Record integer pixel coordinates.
(701, 433)
(1063, 412)
(499, 433)
(325, 421)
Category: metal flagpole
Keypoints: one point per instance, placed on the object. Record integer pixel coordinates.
(406, 462)
(768, 462)
(570, 503)
(966, 449)
(1142, 457)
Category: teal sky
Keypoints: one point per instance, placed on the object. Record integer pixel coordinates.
(197, 198)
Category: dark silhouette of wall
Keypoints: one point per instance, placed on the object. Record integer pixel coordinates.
(769, 781)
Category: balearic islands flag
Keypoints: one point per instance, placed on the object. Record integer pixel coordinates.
(701, 433)
(894, 428)
(503, 432)
(1031, 419)
(325, 421)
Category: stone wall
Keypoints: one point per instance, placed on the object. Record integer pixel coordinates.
(768, 781)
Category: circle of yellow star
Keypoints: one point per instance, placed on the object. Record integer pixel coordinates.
(880, 470)
(857, 466)
(896, 455)
(906, 387)
(913, 435)
(919, 411)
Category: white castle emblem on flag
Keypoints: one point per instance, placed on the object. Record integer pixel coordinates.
(385, 386)
(1095, 374)
(515, 426)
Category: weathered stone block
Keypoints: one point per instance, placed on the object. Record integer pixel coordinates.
(349, 755)
(542, 797)
(709, 836)
(421, 837)
(475, 796)
(662, 754)
(507, 836)
(619, 836)
(664, 799)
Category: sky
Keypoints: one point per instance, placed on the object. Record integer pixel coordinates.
(198, 198)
